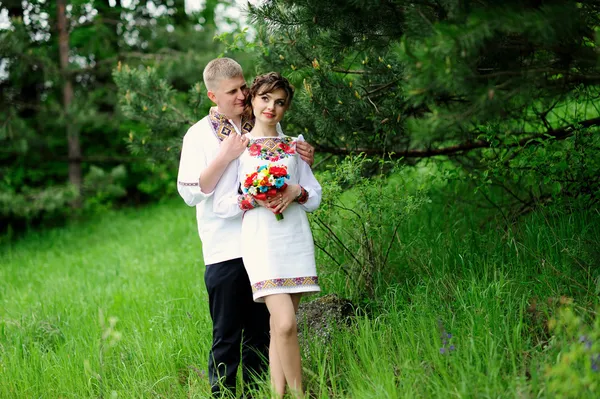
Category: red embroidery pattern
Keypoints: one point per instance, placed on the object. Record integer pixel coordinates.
(246, 202)
(303, 197)
(272, 148)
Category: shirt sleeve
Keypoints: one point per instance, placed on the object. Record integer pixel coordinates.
(226, 201)
(192, 163)
(308, 181)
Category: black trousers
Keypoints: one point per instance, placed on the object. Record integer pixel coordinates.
(237, 320)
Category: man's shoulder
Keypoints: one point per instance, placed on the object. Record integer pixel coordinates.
(200, 129)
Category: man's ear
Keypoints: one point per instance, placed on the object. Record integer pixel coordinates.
(211, 96)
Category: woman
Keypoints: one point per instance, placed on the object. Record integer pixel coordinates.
(278, 254)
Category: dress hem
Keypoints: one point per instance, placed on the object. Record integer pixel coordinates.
(307, 290)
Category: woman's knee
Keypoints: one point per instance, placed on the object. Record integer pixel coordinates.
(284, 326)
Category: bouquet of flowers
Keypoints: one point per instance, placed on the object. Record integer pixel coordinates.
(266, 182)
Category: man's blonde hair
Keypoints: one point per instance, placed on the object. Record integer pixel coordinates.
(219, 69)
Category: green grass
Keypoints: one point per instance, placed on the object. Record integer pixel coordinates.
(60, 289)
(493, 289)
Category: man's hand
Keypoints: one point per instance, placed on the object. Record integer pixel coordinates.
(233, 146)
(306, 152)
(230, 148)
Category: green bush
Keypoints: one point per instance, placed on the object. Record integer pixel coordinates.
(357, 225)
(575, 346)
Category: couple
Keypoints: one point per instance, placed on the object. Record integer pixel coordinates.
(250, 298)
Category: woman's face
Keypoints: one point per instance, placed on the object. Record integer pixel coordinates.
(269, 108)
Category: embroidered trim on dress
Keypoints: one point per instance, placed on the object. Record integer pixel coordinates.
(188, 184)
(223, 128)
(246, 202)
(303, 197)
(285, 282)
(272, 148)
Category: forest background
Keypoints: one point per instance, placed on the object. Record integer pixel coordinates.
(457, 144)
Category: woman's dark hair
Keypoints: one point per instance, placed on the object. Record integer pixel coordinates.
(268, 83)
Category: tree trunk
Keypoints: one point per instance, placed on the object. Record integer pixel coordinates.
(74, 146)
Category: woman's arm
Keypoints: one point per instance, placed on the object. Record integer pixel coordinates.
(307, 192)
(311, 192)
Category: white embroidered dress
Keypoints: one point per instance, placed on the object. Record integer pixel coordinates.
(279, 255)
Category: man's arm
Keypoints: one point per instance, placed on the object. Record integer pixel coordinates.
(226, 199)
(191, 163)
(231, 148)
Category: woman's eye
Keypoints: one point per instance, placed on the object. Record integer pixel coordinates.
(265, 98)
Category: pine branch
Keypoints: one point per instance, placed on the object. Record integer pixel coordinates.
(97, 159)
(179, 113)
(355, 71)
(163, 55)
(462, 148)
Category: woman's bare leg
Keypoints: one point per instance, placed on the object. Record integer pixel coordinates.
(284, 339)
(277, 376)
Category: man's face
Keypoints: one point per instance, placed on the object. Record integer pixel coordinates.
(229, 95)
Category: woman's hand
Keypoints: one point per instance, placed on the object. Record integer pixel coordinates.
(306, 152)
(282, 200)
(262, 203)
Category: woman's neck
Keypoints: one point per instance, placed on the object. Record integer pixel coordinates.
(262, 130)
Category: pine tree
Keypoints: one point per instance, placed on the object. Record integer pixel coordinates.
(34, 161)
(506, 90)
(497, 86)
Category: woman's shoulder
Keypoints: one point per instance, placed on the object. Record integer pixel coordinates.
(287, 138)
(292, 138)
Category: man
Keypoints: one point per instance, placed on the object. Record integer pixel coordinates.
(209, 147)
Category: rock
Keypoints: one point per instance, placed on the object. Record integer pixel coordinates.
(318, 319)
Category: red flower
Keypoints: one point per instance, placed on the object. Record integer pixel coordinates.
(278, 171)
(246, 205)
(250, 179)
(254, 149)
(286, 148)
(265, 181)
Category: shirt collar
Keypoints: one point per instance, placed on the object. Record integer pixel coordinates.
(223, 127)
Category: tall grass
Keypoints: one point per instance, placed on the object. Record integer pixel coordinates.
(493, 287)
(114, 307)
(117, 308)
